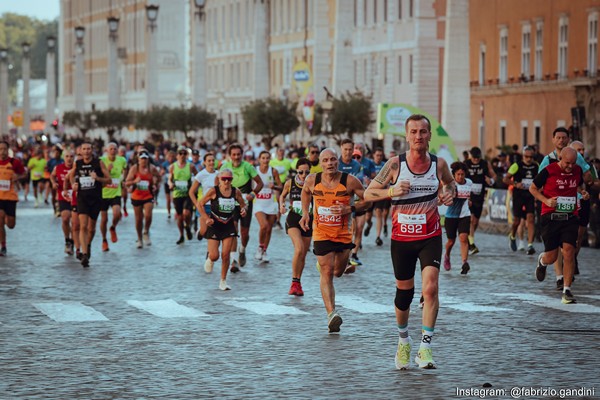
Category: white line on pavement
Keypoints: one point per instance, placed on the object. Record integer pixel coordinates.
(363, 306)
(470, 307)
(552, 302)
(167, 309)
(70, 312)
(265, 307)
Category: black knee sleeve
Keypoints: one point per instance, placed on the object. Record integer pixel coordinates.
(404, 298)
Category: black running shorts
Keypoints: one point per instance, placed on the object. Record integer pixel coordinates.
(89, 206)
(523, 204)
(64, 205)
(109, 203)
(476, 206)
(219, 231)
(9, 207)
(324, 247)
(555, 233)
(293, 221)
(182, 203)
(405, 255)
(454, 225)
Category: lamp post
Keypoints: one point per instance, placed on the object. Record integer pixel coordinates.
(113, 83)
(26, 75)
(220, 125)
(51, 81)
(151, 54)
(3, 91)
(79, 70)
(199, 55)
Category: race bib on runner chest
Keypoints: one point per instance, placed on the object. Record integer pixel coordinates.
(4, 185)
(527, 183)
(326, 217)
(565, 204)
(86, 182)
(143, 185)
(412, 224)
(476, 188)
(226, 205)
(265, 194)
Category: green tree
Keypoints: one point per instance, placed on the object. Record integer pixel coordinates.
(114, 120)
(269, 118)
(352, 113)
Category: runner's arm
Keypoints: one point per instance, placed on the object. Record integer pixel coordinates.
(278, 185)
(259, 184)
(449, 189)
(192, 193)
(378, 188)
(210, 194)
(357, 189)
(130, 180)
(284, 193)
(240, 198)
(306, 195)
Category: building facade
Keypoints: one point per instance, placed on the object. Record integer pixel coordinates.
(231, 52)
(533, 67)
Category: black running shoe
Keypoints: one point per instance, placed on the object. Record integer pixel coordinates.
(385, 230)
(465, 268)
(378, 241)
(576, 267)
(560, 284)
(530, 250)
(242, 258)
(85, 261)
(181, 240)
(188, 232)
(567, 297)
(3, 252)
(368, 228)
(540, 271)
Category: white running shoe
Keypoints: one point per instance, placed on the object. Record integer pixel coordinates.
(521, 245)
(139, 244)
(259, 254)
(265, 258)
(208, 265)
(223, 285)
(147, 240)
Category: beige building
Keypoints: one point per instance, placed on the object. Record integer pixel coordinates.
(531, 64)
(234, 51)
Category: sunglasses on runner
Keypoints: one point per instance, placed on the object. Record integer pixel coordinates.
(226, 179)
(183, 153)
(303, 172)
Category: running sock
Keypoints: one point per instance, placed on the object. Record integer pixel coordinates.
(471, 239)
(403, 332)
(242, 249)
(565, 288)
(234, 256)
(296, 280)
(559, 277)
(426, 336)
(530, 244)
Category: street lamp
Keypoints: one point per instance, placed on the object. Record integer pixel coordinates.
(26, 69)
(51, 81)
(113, 85)
(79, 70)
(151, 68)
(3, 91)
(199, 55)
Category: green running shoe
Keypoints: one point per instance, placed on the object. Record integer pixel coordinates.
(424, 359)
(403, 354)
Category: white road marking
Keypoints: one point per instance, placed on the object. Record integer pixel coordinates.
(552, 302)
(265, 308)
(470, 307)
(167, 309)
(590, 296)
(70, 312)
(363, 306)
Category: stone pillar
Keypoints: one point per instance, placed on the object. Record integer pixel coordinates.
(322, 49)
(199, 68)
(114, 100)
(26, 66)
(343, 64)
(261, 50)
(152, 93)
(4, 93)
(51, 89)
(456, 93)
(79, 79)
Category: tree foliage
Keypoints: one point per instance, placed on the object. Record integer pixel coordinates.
(352, 113)
(269, 118)
(16, 29)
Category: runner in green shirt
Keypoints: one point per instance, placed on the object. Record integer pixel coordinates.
(36, 167)
(180, 181)
(111, 193)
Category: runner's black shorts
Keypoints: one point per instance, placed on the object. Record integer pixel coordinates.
(406, 254)
(219, 231)
(523, 203)
(584, 212)
(454, 225)
(555, 233)
(140, 203)
(89, 206)
(109, 203)
(182, 203)
(38, 181)
(167, 189)
(382, 205)
(324, 247)
(476, 206)
(64, 205)
(245, 221)
(293, 221)
(9, 207)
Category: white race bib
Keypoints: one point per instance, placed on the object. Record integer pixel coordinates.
(181, 185)
(412, 224)
(143, 185)
(327, 217)
(297, 206)
(565, 204)
(4, 186)
(527, 183)
(114, 183)
(463, 192)
(265, 194)
(226, 205)
(86, 182)
(476, 188)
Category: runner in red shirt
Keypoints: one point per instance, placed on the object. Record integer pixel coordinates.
(57, 178)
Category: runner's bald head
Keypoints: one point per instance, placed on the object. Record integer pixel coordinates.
(328, 152)
(568, 154)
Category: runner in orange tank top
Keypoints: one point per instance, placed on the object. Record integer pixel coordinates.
(11, 170)
(332, 192)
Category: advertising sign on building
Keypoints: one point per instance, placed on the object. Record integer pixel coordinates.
(390, 121)
(303, 87)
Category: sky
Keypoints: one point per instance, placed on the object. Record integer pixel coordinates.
(40, 9)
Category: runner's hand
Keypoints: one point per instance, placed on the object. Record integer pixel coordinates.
(304, 222)
(551, 202)
(243, 212)
(585, 195)
(282, 209)
(210, 222)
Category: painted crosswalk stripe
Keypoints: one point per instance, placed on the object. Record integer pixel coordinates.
(362, 306)
(456, 304)
(70, 312)
(167, 309)
(552, 302)
(265, 308)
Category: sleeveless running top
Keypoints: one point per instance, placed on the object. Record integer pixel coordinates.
(222, 208)
(181, 179)
(143, 189)
(8, 169)
(328, 226)
(296, 198)
(415, 215)
(460, 205)
(61, 173)
(87, 185)
(477, 173)
(266, 193)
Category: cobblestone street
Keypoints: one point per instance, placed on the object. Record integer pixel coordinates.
(151, 323)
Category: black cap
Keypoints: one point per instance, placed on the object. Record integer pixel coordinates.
(475, 152)
(195, 152)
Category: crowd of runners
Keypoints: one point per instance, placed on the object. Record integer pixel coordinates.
(333, 199)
